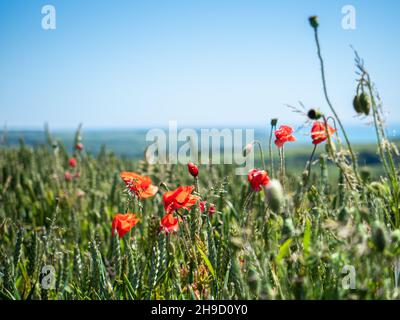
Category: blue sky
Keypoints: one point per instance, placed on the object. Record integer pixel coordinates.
(142, 63)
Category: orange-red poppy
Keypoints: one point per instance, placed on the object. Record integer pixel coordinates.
(169, 223)
(284, 134)
(257, 179)
(122, 223)
(140, 185)
(180, 198)
(318, 132)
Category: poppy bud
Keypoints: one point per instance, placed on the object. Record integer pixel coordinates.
(313, 21)
(212, 209)
(72, 162)
(68, 176)
(274, 195)
(357, 104)
(314, 114)
(247, 149)
(379, 236)
(365, 103)
(274, 122)
(193, 169)
(79, 146)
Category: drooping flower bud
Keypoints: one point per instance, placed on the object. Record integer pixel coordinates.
(274, 195)
(247, 149)
(193, 169)
(365, 103)
(313, 21)
(357, 104)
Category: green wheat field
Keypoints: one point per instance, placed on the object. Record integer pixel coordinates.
(316, 221)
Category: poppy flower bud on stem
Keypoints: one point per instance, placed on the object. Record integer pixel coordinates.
(274, 195)
(247, 149)
(274, 122)
(193, 169)
(365, 103)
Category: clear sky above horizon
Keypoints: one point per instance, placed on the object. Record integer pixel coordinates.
(201, 62)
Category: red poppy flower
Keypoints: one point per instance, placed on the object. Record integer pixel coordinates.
(284, 134)
(140, 185)
(122, 223)
(79, 146)
(193, 169)
(181, 197)
(318, 132)
(257, 179)
(72, 162)
(169, 223)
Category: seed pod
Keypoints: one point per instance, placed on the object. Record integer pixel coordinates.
(357, 104)
(274, 195)
(313, 21)
(365, 103)
(314, 114)
(379, 236)
(274, 122)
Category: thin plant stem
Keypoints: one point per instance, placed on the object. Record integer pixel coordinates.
(353, 157)
(271, 159)
(258, 143)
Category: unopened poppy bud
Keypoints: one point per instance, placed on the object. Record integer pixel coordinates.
(193, 170)
(72, 162)
(79, 146)
(365, 103)
(68, 176)
(379, 236)
(356, 104)
(274, 195)
(274, 122)
(313, 21)
(314, 114)
(247, 149)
